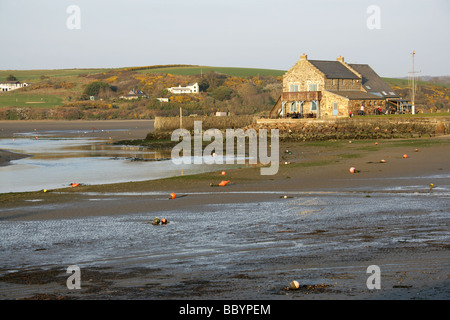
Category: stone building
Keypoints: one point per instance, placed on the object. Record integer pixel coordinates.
(134, 94)
(321, 89)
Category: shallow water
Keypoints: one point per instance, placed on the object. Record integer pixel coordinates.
(222, 235)
(56, 163)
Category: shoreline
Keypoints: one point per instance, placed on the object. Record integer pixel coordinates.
(273, 256)
(7, 156)
(317, 167)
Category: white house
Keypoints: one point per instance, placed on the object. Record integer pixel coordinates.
(11, 85)
(191, 88)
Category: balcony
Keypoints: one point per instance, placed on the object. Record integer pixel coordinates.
(301, 96)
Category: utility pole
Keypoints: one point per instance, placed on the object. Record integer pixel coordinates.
(413, 87)
(181, 118)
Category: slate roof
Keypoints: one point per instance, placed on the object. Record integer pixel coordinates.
(356, 95)
(334, 69)
(372, 82)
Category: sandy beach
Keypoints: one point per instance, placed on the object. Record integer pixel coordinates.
(309, 174)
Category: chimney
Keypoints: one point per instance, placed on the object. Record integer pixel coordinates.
(340, 59)
(303, 57)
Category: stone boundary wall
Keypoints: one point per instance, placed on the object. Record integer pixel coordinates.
(356, 128)
(320, 129)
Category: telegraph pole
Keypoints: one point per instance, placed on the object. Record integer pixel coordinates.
(413, 87)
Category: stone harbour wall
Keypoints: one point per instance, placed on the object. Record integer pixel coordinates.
(356, 128)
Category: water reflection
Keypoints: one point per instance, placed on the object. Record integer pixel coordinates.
(56, 163)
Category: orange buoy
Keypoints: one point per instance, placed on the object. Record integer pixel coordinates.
(223, 183)
(405, 156)
(173, 196)
(376, 143)
(223, 173)
(163, 221)
(75, 185)
(352, 170)
(416, 150)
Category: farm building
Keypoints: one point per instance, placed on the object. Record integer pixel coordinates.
(11, 85)
(320, 89)
(191, 88)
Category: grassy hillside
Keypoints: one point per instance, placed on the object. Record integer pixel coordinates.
(184, 70)
(431, 96)
(235, 72)
(65, 94)
(37, 75)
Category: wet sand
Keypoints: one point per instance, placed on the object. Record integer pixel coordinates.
(6, 157)
(410, 270)
(114, 129)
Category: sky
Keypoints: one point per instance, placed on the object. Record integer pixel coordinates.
(270, 34)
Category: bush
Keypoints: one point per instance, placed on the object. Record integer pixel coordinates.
(94, 88)
(221, 93)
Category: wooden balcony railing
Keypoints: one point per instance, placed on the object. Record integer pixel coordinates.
(301, 96)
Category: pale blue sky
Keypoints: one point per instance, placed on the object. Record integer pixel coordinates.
(229, 33)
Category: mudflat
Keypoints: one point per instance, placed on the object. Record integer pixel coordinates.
(314, 222)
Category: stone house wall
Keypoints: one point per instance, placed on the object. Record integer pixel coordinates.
(302, 74)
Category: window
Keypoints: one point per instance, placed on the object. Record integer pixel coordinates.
(312, 87)
(293, 88)
(313, 105)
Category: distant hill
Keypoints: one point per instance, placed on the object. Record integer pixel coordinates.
(66, 93)
(36, 75)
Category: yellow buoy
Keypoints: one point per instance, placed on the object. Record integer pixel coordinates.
(295, 285)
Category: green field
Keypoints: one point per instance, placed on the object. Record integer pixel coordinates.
(405, 83)
(35, 75)
(196, 70)
(30, 75)
(29, 100)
